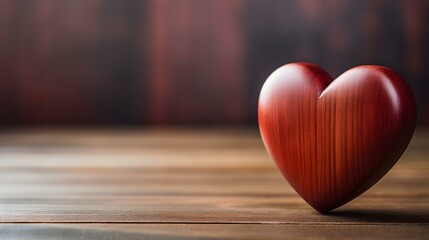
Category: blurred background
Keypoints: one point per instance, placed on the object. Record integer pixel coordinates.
(183, 62)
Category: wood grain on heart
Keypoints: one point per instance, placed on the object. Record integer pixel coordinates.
(334, 139)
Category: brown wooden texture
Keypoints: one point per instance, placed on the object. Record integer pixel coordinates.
(333, 139)
(207, 231)
(187, 184)
(189, 61)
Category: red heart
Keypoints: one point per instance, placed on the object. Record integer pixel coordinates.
(332, 140)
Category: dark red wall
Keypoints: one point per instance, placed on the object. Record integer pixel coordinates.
(189, 61)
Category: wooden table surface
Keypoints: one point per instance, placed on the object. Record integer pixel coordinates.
(187, 184)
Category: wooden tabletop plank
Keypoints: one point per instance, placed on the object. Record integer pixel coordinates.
(215, 196)
(215, 177)
(209, 231)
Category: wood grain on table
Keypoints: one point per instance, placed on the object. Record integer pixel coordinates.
(187, 184)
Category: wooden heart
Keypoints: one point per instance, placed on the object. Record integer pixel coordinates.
(332, 140)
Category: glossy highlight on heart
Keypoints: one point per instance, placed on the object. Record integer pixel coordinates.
(334, 139)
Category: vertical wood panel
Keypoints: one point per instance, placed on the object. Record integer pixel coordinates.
(189, 61)
(196, 72)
